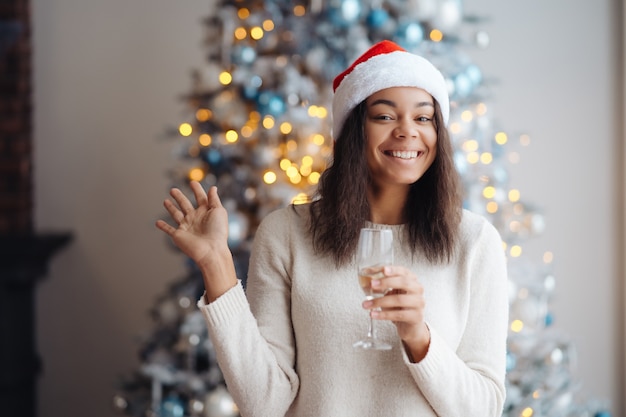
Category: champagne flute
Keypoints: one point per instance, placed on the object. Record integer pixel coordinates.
(374, 252)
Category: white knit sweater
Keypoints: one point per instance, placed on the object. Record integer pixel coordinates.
(285, 347)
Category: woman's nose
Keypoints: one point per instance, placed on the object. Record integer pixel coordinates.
(405, 129)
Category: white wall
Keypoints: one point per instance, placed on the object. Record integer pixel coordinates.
(108, 76)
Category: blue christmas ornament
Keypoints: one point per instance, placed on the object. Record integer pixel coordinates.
(213, 157)
(474, 74)
(271, 103)
(602, 414)
(409, 35)
(343, 13)
(377, 18)
(462, 85)
(251, 88)
(244, 55)
(172, 406)
(237, 229)
(549, 319)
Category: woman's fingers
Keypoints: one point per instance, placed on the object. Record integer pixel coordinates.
(174, 212)
(185, 207)
(163, 226)
(182, 201)
(199, 193)
(399, 279)
(213, 198)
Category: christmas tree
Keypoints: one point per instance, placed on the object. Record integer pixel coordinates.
(258, 127)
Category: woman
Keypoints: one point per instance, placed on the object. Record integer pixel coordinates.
(285, 347)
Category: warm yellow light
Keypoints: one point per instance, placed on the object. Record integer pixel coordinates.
(515, 226)
(225, 78)
(481, 109)
(470, 145)
(241, 33)
(185, 129)
(312, 110)
(305, 170)
(307, 160)
(299, 10)
(203, 115)
(492, 207)
(284, 164)
(467, 116)
(196, 174)
(517, 326)
(501, 138)
(514, 195)
(322, 112)
(285, 128)
(243, 13)
(516, 251)
(292, 145)
(268, 122)
(489, 192)
(314, 177)
(486, 158)
(536, 394)
(292, 171)
(246, 131)
(255, 116)
(231, 136)
(300, 198)
(318, 139)
(455, 127)
(295, 179)
(269, 177)
(205, 139)
(256, 33)
(473, 157)
(436, 35)
(268, 25)
(527, 412)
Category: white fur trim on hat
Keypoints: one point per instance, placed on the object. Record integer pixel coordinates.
(394, 69)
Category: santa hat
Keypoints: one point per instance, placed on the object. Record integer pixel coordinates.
(382, 66)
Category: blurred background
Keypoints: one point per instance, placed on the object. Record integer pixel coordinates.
(108, 82)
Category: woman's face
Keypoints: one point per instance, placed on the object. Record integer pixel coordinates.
(401, 138)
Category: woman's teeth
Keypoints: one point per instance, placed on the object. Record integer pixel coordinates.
(404, 154)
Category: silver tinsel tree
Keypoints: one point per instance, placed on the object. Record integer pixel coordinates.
(258, 127)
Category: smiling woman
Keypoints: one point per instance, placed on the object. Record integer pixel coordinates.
(285, 346)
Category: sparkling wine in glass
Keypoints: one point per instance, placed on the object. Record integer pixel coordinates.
(374, 252)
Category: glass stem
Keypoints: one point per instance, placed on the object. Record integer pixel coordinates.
(371, 332)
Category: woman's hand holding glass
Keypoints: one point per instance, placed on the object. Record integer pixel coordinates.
(404, 306)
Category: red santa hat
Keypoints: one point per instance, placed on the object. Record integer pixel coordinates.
(382, 66)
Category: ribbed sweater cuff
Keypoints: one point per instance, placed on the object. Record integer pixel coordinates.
(221, 311)
(433, 360)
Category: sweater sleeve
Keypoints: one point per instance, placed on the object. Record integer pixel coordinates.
(257, 356)
(470, 380)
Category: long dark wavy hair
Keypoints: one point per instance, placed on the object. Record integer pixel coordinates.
(432, 212)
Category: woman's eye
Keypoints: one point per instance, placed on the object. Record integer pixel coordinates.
(424, 119)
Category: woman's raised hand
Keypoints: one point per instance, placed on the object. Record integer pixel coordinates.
(202, 233)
